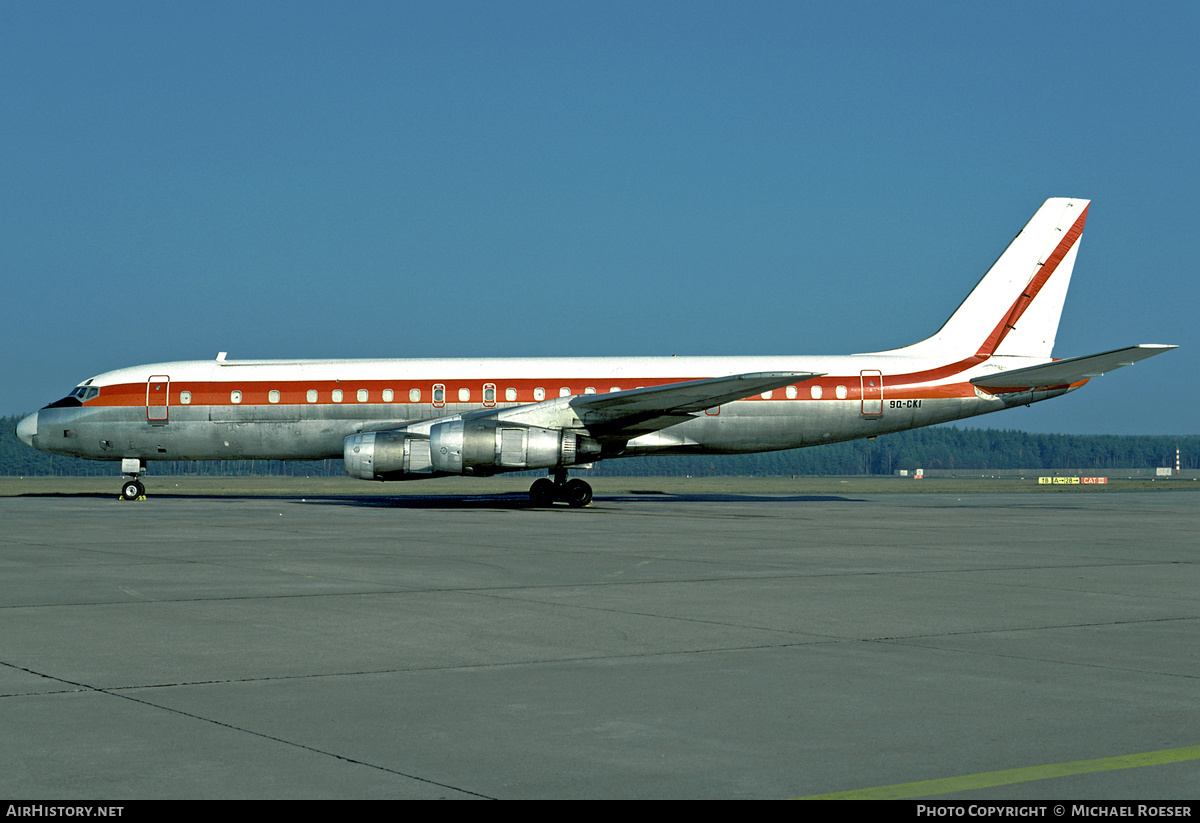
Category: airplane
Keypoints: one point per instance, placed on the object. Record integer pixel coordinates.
(413, 419)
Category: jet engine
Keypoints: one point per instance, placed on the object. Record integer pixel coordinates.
(482, 447)
(386, 455)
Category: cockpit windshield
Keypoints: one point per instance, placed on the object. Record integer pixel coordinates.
(78, 396)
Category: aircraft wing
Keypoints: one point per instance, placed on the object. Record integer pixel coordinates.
(1071, 370)
(638, 411)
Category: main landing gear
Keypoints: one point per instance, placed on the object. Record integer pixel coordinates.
(575, 493)
(132, 488)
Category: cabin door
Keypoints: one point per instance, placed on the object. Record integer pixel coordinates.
(872, 392)
(157, 389)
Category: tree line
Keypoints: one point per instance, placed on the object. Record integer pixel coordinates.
(941, 447)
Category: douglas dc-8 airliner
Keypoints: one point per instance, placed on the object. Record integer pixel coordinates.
(412, 419)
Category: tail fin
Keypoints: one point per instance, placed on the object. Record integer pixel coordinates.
(1015, 308)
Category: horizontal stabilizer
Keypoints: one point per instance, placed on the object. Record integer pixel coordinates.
(1071, 370)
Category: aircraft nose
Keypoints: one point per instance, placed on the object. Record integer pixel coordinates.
(27, 428)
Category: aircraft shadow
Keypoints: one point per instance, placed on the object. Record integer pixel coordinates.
(519, 501)
(514, 501)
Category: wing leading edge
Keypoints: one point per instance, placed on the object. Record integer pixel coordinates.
(638, 411)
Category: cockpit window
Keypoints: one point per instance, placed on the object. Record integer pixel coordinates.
(78, 396)
(84, 393)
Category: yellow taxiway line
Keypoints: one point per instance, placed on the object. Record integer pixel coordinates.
(986, 780)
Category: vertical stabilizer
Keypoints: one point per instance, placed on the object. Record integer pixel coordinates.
(1015, 308)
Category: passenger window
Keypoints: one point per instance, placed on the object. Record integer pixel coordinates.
(791, 392)
(312, 395)
(414, 395)
(273, 395)
(337, 395)
(464, 395)
(388, 395)
(235, 397)
(815, 391)
(840, 391)
(185, 397)
(362, 395)
(590, 390)
(510, 395)
(767, 395)
(614, 388)
(564, 392)
(539, 393)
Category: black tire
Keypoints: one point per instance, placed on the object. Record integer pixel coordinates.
(132, 490)
(577, 493)
(542, 493)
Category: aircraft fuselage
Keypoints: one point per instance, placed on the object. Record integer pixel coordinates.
(202, 410)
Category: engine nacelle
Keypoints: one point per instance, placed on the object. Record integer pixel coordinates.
(484, 447)
(386, 455)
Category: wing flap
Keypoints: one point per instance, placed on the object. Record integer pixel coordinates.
(1071, 370)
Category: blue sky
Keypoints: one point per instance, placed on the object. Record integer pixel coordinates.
(289, 179)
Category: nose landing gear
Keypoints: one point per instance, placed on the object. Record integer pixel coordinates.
(133, 489)
(575, 493)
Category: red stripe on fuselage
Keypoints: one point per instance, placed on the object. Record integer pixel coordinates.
(295, 393)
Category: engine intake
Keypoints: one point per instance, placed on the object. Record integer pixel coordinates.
(386, 455)
(482, 447)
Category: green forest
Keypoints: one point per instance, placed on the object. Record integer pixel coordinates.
(942, 447)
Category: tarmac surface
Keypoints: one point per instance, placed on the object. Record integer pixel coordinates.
(651, 645)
